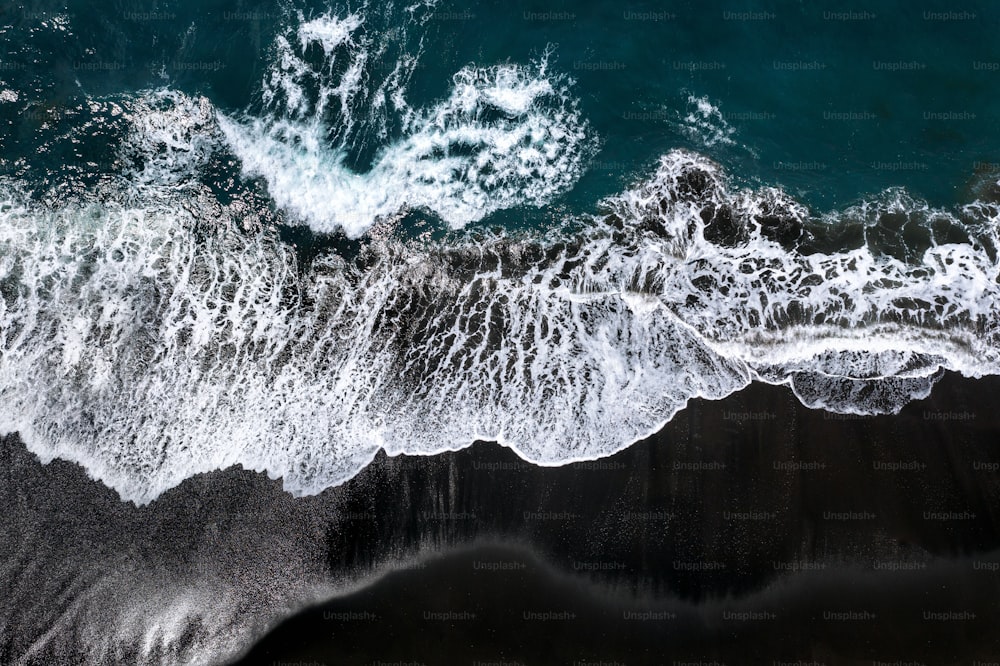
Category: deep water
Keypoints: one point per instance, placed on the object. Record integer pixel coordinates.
(831, 102)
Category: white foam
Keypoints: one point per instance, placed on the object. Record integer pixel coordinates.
(328, 31)
(506, 136)
(296, 88)
(857, 317)
(149, 354)
(705, 123)
(172, 137)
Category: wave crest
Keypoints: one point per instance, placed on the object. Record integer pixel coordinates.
(149, 346)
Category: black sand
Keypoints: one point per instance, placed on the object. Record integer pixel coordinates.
(749, 530)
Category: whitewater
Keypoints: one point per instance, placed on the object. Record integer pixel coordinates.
(152, 330)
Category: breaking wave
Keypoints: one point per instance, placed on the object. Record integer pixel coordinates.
(505, 136)
(158, 326)
(150, 341)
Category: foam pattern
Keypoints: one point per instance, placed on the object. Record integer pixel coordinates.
(152, 343)
(505, 136)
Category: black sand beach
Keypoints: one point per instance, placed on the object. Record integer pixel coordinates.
(749, 530)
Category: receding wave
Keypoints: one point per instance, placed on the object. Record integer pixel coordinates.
(163, 334)
(155, 325)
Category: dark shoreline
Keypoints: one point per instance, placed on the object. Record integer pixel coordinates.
(751, 504)
(462, 608)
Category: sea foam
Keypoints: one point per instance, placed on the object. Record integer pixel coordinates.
(155, 330)
(505, 136)
(148, 353)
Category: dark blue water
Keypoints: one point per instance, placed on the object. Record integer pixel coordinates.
(829, 102)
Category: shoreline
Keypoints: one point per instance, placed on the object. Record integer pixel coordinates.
(730, 500)
(529, 612)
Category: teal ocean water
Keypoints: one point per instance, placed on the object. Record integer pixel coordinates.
(830, 102)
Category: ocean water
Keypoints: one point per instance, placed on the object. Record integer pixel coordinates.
(291, 236)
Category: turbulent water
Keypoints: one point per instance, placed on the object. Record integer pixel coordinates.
(157, 322)
(506, 135)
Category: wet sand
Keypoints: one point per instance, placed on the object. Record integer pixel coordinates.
(749, 530)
